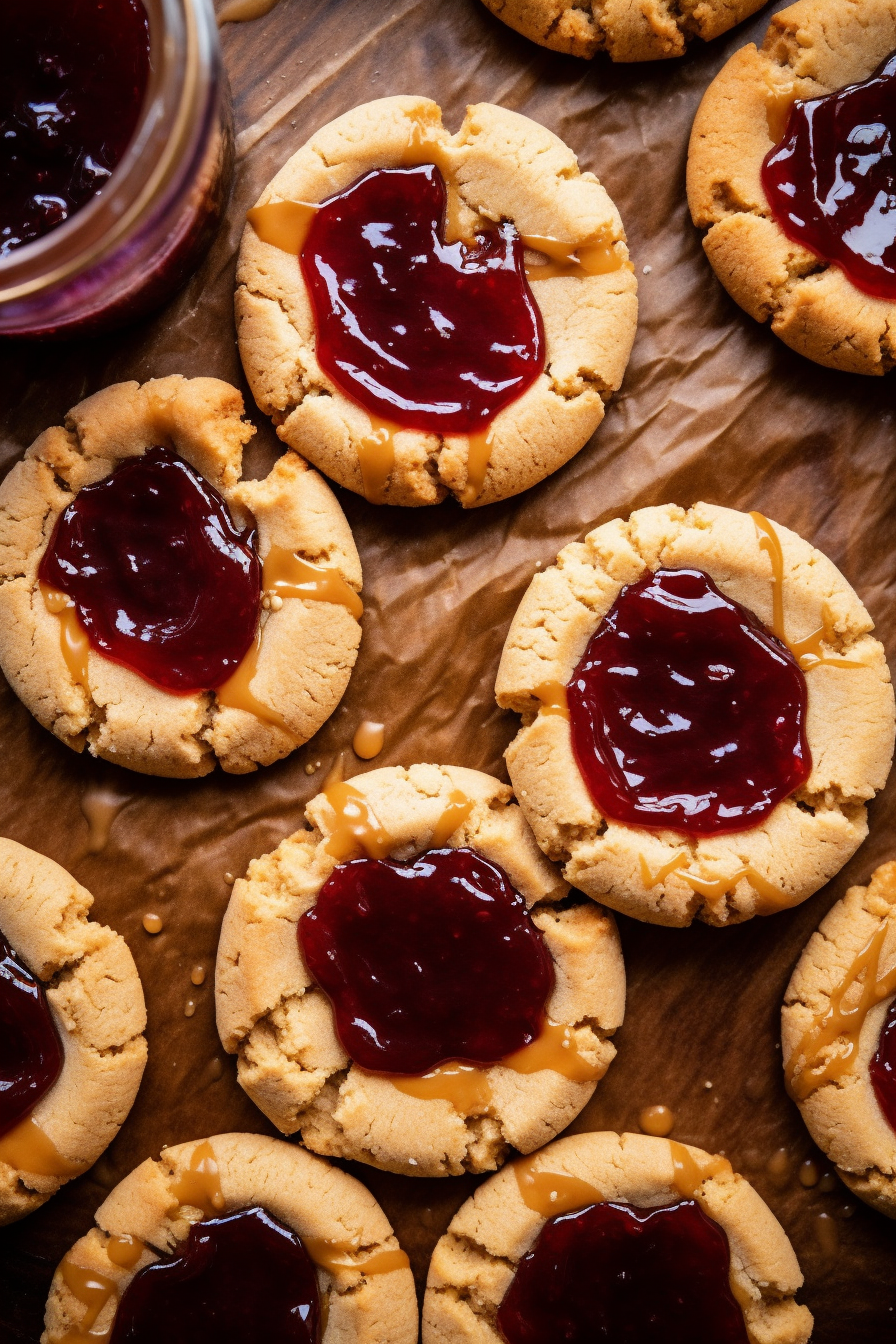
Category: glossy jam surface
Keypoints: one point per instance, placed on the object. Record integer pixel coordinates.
(30, 1048)
(73, 74)
(240, 1278)
(831, 182)
(616, 1273)
(431, 335)
(162, 580)
(882, 1068)
(686, 713)
(427, 962)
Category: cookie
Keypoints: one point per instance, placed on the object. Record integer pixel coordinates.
(95, 1000)
(499, 167)
(812, 48)
(280, 1024)
(284, 688)
(837, 1007)
(477, 1260)
(648, 31)
(665, 876)
(365, 1286)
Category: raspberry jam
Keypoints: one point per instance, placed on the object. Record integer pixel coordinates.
(30, 1048)
(613, 1272)
(432, 335)
(427, 962)
(162, 580)
(882, 1068)
(686, 713)
(239, 1278)
(831, 182)
(73, 75)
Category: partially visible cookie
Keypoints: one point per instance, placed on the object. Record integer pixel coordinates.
(649, 30)
(812, 48)
(281, 1026)
(96, 1002)
(307, 649)
(475, 1262)
(365, 1285)
(836, 1007)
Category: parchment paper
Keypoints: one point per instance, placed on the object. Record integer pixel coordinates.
(713, 407)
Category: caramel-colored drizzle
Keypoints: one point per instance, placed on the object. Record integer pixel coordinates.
(72, 635)
(656, 1120)
(838, 1021)
(376, 457)
(356, 825)
(555, 1048)
(423, 147)
(771, 898)
(479, 455)
(457, 809)
(466, 1087)
(93, 1291)
(552, 695)
(688, 1174)
(595, 256)
(200, 1185)
(368, 739)
(549, 1193)
(335, 1255)
(778, 102)
(27, 1148)
(807, 652)
(283, 224)
(235, 692)
(124, 1250)
(100, 807)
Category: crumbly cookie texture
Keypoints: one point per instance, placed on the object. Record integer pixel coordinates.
(843, 1115)
(648, 30)
(97, 1004)
(280, 1024)
(850, 722)
(308, 648)
(474, 1262)
(305, 1193)
(812, 48)
(505, 167)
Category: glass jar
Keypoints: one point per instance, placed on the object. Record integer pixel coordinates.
(130, 247)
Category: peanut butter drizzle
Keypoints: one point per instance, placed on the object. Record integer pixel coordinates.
(239, 11)
(335, 1255)
(549, 1193)
(552, 695)
(283, 224)
(837, 1021)
(235, 693)
(27, 1148)
(287, 575)
(124, 1250)
(376, 457)
(688, 1175)
(479, 455)
(458, 808)
(100, 807)
(466, 1087)
(423, 147)
(595, 256)
(72, 635)
(368, 739)
(656, 1120)
(356, 826)
(778, 102)
(555, 1048)
(93, 1291)
(807, 652)
(771, 898)
(200, 1185)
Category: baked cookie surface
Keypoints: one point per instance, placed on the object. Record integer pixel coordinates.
(475, 1261)
(812, 48)
(96, 1001)
(281, 1026)
(307, 649)
(363, 1277)
(661, 876)
(651, 30)
(502, 166)
(834, 1008)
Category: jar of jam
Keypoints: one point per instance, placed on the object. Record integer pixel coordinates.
(116, 151)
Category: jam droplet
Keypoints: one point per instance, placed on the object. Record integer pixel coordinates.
(686, 713)
(427, 962)
(73, 74)
(237, 1278)
(162, 580)
(831, 182)
(882, 1068)
(624, 1274)
(431, 335)
(30, 1048)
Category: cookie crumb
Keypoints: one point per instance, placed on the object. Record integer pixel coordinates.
(645, 270)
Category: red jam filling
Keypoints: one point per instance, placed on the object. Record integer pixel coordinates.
(432, 335)
(613, 1272)
(427, 962)
(73, 74)
(30, 1048)
(686, 713)
(883, 1067)
(831, 182)
(162, 580)
(241, 1278)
